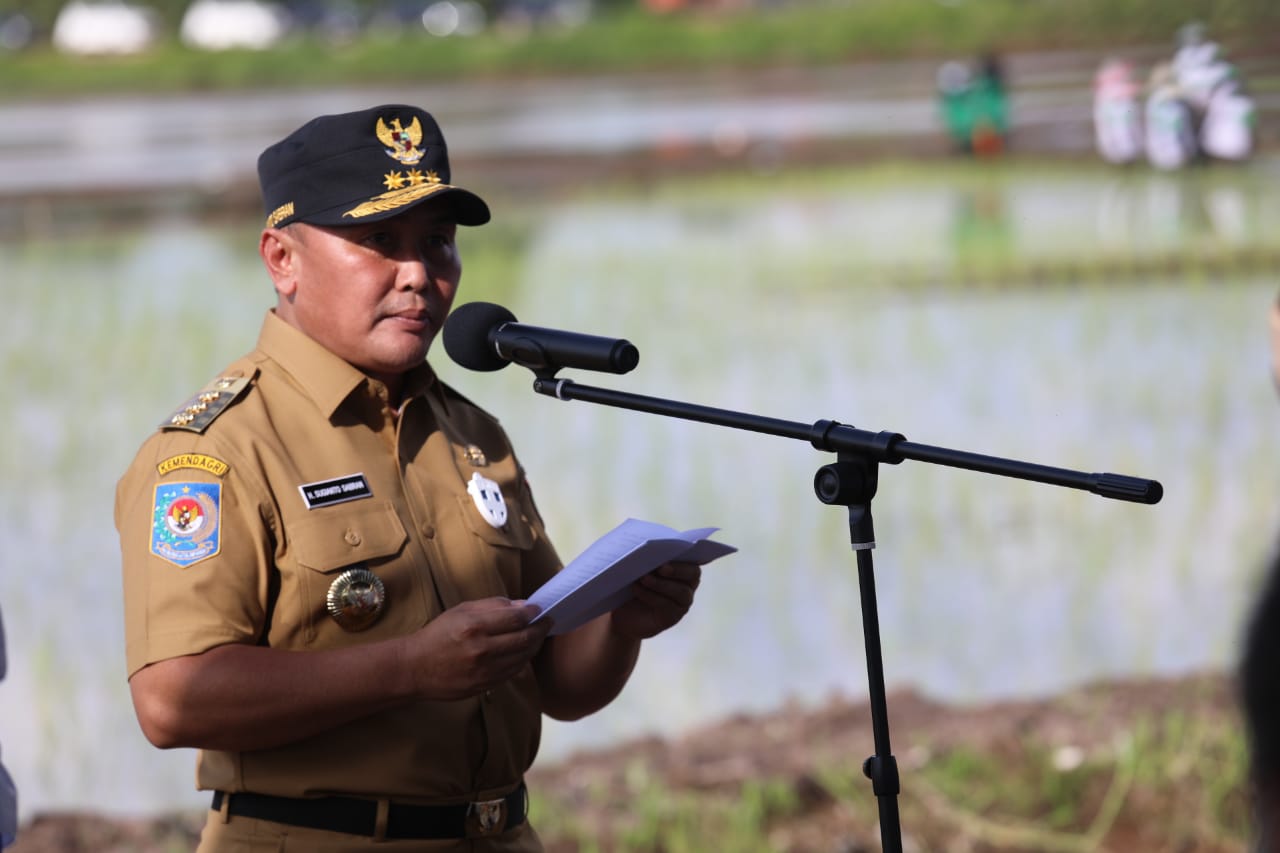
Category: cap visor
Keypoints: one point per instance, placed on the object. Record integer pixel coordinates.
(467, 208)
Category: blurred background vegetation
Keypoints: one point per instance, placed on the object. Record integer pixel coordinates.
(353, 42)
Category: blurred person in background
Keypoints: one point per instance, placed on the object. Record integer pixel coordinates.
(973, 105)
(990, 108)
(1170, 135)
(1259, 679)
(8, 793)
(1117, 112)
(1230, 120)
(1259, 672)
(1198, 66)
(954, 82)
(326, 550)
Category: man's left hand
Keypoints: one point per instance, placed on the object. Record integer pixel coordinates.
(659, 600)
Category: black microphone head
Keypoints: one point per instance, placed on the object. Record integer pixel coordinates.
(466, 335)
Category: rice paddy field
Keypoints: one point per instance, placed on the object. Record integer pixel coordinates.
(1065, 314)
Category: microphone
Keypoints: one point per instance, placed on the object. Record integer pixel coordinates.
(483, 336)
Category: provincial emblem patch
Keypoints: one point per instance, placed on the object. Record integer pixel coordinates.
(185, 523)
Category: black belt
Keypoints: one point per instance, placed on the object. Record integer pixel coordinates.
(359, 817)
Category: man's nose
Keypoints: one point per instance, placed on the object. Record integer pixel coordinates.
(415, 269)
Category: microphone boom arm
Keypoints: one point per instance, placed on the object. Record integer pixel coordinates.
(880, 446)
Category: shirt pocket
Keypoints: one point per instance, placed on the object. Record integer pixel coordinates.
(497, 553)
(363, 535)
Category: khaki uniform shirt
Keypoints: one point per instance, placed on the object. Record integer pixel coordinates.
(234, 529)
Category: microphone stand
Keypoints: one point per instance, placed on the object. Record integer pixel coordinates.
(851, 482)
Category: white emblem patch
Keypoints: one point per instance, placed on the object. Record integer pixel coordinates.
(488, 499)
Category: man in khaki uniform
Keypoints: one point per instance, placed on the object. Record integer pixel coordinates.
(326, 549)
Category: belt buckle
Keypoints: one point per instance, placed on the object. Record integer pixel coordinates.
(486, 816)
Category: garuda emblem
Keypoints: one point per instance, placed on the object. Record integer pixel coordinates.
(402, 142)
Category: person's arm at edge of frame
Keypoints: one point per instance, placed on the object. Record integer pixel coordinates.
(582, 671)
(240, 697)
(8, 791)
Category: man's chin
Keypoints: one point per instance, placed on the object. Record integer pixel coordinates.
(397, 360)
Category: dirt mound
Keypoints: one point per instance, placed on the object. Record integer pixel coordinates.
(1148, 765)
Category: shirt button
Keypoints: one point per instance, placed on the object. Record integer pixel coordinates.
(352, 538)
(428, 531)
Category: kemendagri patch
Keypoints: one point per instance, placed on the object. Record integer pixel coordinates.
(186, 523)
(199, 461)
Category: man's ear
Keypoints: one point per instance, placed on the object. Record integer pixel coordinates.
(278, 250)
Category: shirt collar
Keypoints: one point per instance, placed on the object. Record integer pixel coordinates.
(325, 377)
(422, 381)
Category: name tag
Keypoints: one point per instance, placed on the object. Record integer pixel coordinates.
(340, 490)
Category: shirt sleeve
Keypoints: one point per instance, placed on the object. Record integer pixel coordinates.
(196, 549)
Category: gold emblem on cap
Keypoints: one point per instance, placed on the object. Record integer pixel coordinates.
(395, 198)
(402, 142)
(280, 214)
(475, 456)
(356, 598)
(397, 180)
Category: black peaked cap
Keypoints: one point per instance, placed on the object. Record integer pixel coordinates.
(359, 167)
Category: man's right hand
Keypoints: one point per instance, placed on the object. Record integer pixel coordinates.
(473, 647)
(239, 697)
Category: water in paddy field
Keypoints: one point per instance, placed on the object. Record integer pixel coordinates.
(1075, 318)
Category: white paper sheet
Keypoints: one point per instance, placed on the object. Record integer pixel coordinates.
(600, 578)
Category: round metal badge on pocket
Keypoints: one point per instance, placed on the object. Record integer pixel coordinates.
(356, 598)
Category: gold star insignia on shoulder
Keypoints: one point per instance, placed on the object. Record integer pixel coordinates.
(198, 412)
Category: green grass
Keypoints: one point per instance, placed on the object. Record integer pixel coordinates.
(657, 817)
(1193, 769)
(631, 40)
(1174, 779)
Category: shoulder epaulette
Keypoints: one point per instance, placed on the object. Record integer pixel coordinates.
(198, 412)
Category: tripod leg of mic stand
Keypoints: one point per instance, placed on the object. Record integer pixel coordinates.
(851, 482)
(881, 768)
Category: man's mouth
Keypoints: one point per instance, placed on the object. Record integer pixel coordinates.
(416, 318)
